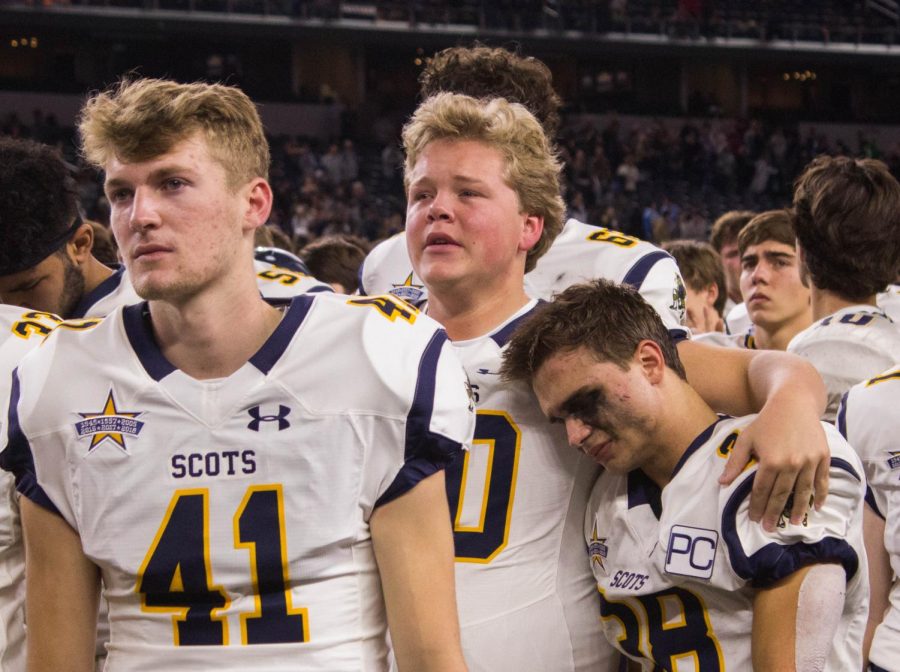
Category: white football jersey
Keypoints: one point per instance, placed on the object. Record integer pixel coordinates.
(525, 594)
(744, 340)
(22, 331)
(229, 517)
(848, 347)
(580, 252)
(676, 568)
(737, 320)
(889, 302)
(274, 282)
(869, 421)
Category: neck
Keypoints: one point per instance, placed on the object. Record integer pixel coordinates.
(825, 303)
(686, 416)
(94, 273)
(778, 336)
(208, 338)
(470, 314)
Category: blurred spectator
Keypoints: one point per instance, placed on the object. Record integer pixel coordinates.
(336, 260)
(704, 281)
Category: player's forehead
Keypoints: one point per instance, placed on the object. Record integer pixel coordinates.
(462, 160)
(565, 372)
(770, 248)
(190, 153)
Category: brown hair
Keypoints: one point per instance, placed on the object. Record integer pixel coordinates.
(608, 319)
(490, 72)
(701, 266)
(141, 119)
(846, 217)
(336, 259)
(770, 225)
(727, 227)
(532, 169)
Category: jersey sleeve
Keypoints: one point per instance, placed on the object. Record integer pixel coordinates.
(441, 418)
(40, 471)
(657, 278)
(830, 535)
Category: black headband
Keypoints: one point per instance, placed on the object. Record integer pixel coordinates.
(52, 246)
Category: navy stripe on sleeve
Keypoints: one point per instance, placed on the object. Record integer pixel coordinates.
(426, 452)
(870, 500)
(841, 421)
(638, 273)
(17, 457)
(775, 561)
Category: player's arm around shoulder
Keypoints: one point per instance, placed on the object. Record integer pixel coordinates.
(808, 576)
(786, 437)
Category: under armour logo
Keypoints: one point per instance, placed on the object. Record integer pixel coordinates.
(281, 418)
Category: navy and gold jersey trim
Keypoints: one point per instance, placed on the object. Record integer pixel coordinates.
(893, 375)
(643, 490)
(774, 562)
(841, 420)
(426, 452)
(139, 330)
(696, 444)
(282, 259)
(17, 456)
(101, 291)
(501, 336)
(274, 347)
(641, 269)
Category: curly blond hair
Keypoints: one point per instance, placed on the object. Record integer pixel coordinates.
(532, 168)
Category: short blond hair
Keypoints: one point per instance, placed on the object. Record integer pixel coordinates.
(141, 119)
(532, 168)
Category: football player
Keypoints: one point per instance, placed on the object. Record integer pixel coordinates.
(846, 216)
(245, 506)
(46, 262)
(776, 299)
(684, 577)
(483, 205)
(580, 251)
(21, 331)
(704, 282)
(868, 420)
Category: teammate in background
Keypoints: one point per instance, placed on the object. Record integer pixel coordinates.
(20, 332)
(846, 216)
(46, 259)
(869, 421)
(684, 577)
(104, 248)
(46, 262)
(776, 299)
(704, 281)
(723, 237)
(337, 260)
(483, 205)
(580, 251)
(240, 515)
(889, 301)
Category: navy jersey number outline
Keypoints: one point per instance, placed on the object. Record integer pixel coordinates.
(501, 437)
(664, 627)
(176, 574)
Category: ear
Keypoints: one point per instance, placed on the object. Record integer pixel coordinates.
(532, 228)
(649, 357)
(712, 293)
(258, 203)
(81, 243)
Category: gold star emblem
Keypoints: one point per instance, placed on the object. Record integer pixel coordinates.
(119, 423)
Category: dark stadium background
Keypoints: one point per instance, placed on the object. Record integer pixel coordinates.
(719, 103)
